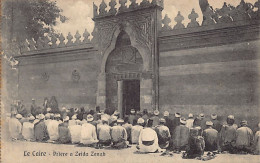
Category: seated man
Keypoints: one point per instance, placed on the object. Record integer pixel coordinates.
(88, 132)
(155, 118)
(75, 131)
(228, 135)
(195, 146)
(136, 129)
(257, 141)
(244, 138)
(119, 135)
(128, 128)
(64, 133)
(210, 136)
(163, 134)
(181, 136)
(28, 129)
(53, 128)
(148, 140)
(103, 132)
(15, 126)
(40, 130)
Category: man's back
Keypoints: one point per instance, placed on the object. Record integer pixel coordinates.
(87, 131)
(15, 127)
(75, 131)
(53, 129)
(118, 133)
(135, 132)
(104, 132)
(28, 130)
(244, 136)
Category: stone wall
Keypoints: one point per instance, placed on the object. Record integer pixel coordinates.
(69, 76)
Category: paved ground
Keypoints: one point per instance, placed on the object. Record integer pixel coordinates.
(14, 152)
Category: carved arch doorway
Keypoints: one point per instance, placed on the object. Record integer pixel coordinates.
(124, 68)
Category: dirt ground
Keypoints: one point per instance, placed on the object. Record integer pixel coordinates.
(27, 152)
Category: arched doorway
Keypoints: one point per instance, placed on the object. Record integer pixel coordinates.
(123, 70)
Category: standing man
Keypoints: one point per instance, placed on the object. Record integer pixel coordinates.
(210, 136)
(244, 138)
(33, 108)
(28, 129)
(131, 116)
(163, 134)
(88, 132)
(21, 108)
(181, 136)
(175, 122)
(40, 130)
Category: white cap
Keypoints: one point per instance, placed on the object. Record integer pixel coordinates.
(162, 120)
(156, 112)
(113, 118)
(90, 118)
(177, 115)
(48, 116)
(190, 115)
(231, 117)
(116, 112)
(214, 116)
(120, 121)
(140, 121)
(209, 123)
(104, 119)
(19, 116)
(201, 115)
(57, 115)
(74, 116)
(183, 120)
(41, 116)
(132, 111)
(63, 108)
(31, 118)
(48, 109)
(66, 119)
(166, 114)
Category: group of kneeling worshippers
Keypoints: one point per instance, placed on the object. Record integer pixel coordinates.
(148, 130)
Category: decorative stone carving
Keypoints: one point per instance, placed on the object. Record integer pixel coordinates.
(53, 41)
(40, 44)
(193, 22)
(144, 3)
(32, 44)
(69, 37)
(179, 18)
(112, 5)
(95, 8)
(75, 76)
(45, 76)
(77, 36)
(241, 12)
(133, 4)
(123, 7)
(86, 36)
(166, 21)
(46, 42)
(102, 8)
(224, 12)
(62, 39)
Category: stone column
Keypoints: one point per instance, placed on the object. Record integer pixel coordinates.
(101, 92)
(146, 97)
(120, 97)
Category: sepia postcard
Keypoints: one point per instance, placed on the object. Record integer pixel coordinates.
(130, 81)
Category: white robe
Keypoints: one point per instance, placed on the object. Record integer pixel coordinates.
(88, 134)
(148, 134)
(53, 130)
(15, 128)
(75, 132)
(28, 131)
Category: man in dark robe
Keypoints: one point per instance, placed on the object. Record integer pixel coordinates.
(210, 136)
(163, 134)
(40, 130)
(21, 109)
(33, 108)
(64, 133)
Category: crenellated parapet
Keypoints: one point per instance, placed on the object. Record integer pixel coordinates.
(56, 41)
(109, 9)
(228, 15)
